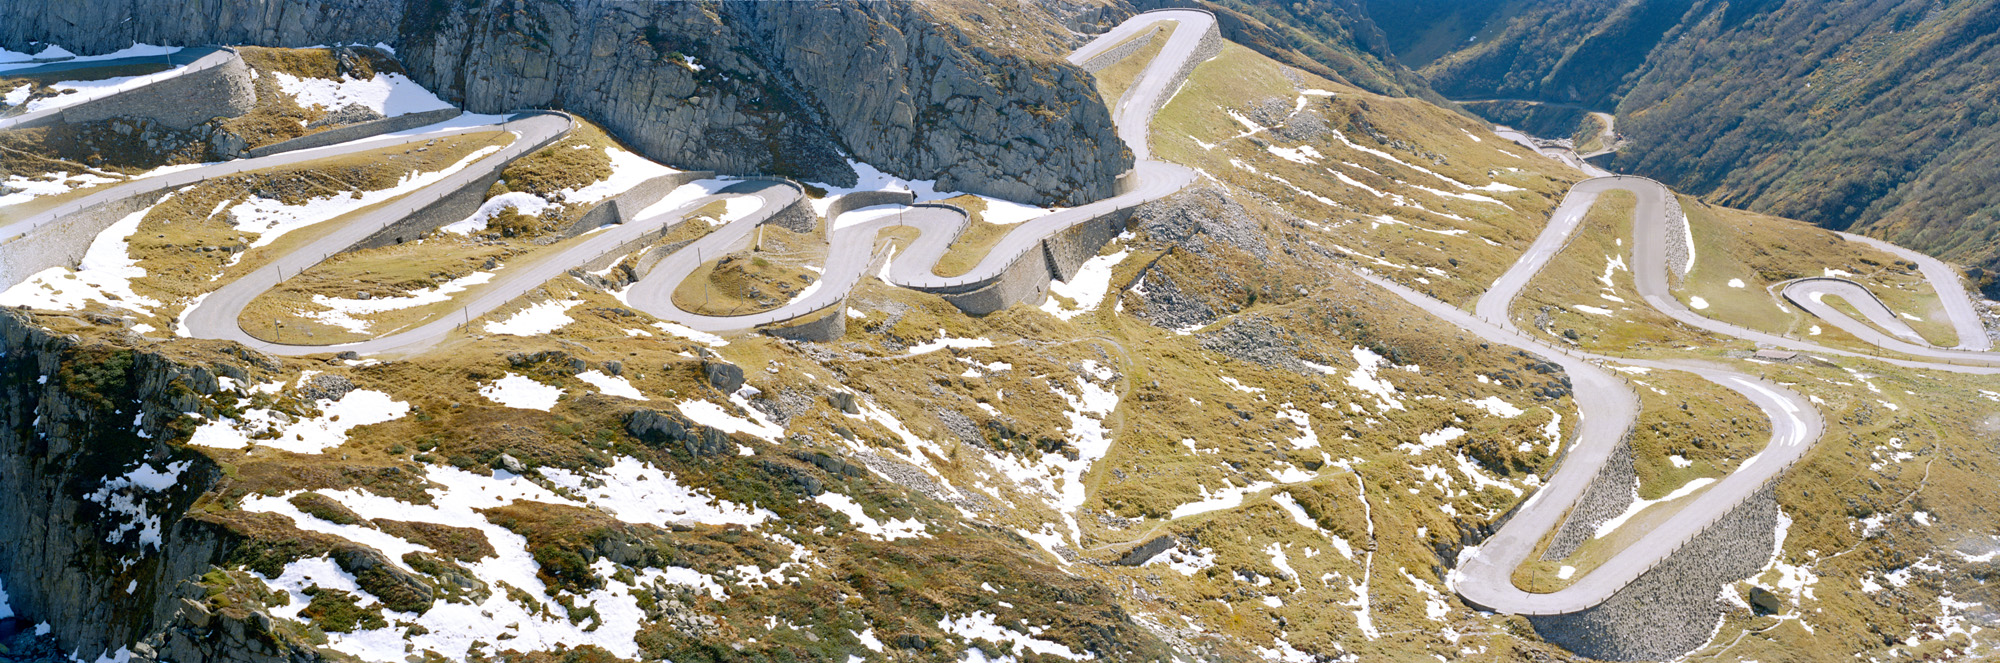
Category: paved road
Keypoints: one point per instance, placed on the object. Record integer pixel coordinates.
(1950, 290)
(1808, 294)
(851, 252)
(1608, 408)
(180, 178)
(1649, 270)
(1567, 156)
(215, 316)
(203, 59)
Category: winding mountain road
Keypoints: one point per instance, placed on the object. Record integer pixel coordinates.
(1608, 405)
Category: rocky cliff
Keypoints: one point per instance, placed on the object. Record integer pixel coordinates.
(738, 87)
(95, 499)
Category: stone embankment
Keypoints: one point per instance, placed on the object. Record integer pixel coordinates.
(1674, 608)
(1608, 495)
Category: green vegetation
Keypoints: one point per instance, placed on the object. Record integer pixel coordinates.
(972, 245)
(1585, 296)
(1759, 252)
(1112, 81)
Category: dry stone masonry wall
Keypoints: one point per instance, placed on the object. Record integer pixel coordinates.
(1121, 52)
(1609, 493)
(356, 131)
(1674, 608)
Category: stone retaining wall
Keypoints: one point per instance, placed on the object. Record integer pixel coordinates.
(451, 208)
(1121, 52)
(1027, 280)
(62, 242)
(1677, 248)
(1609, 493)
(1674, 608)
(827, 327)
(1067, 250)
(860, 199)
(625, 207)
(1211, 46)
(356, 131)
(181, 102)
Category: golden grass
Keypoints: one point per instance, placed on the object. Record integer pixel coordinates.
(754, 280)
(1574, 279)
(170, 238)
(1451, 249)
(1760, 251)
(1112, 81)
(972, 245)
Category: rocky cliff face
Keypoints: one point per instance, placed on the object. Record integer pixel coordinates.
(742, 88)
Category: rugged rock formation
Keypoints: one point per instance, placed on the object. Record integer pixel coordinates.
(738, 87)
(95, 501)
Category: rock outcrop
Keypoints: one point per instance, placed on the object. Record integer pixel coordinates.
(91, 496)
(788, 88)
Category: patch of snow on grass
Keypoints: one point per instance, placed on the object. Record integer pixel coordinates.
(104, 275)
(612, 386)
(692, 334)
(1593, 310)
(1639, 505)
(341, 312)
(869, 178)
(527, 618)
(25, 188)
(522, 393)
(895, 528)
(635, 491)
(270, 219)
(1698, 303)
(715, 416)
(1496, 407)
(1736, 283)
(1432, 440)
(985, 626)
(535, 320)
(944, 340)
(1364, 378)
(390, 94)
(1087, 289)
(275, 430)
(1304, 154)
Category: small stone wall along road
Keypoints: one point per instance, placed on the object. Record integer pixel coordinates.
(1609, 406)
(1483, 576)
(851, 252)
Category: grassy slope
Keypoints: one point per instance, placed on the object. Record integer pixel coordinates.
(1762, 250)
(1466, 252)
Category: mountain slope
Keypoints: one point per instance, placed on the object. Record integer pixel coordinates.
(743, 88)
(1866, 116)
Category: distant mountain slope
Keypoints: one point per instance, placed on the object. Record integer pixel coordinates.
(1872, 116)
(1334, 39)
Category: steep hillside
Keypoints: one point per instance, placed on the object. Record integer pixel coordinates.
(741, 88)
(1263, 415)
(1865, 116)
(1333, 39)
